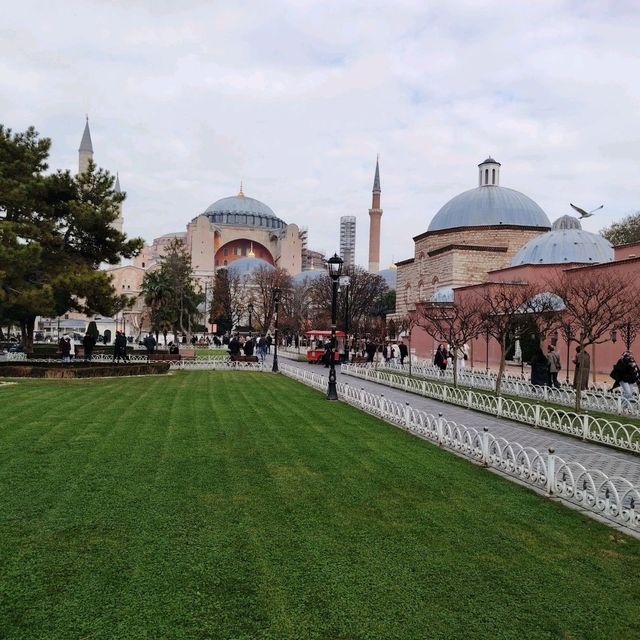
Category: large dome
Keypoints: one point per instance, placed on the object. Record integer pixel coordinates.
(244, 211)
(489, 205)
(567, 242)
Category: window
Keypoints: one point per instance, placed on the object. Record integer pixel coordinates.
(143, 265)
(486, 176)
(225, 263)
(243, 251)
(224, 251)
(235, 251)
(493, 176)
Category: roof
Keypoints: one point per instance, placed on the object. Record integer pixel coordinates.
(308, 276)
(567, 242)
(85, 143)
(487, 206)
(376, 179)
(390, 276)
(246, 266)
(489, 160)
(243, 211)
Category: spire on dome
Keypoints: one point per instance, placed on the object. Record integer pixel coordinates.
(241, 192)
(376, 179)
(85, 143)
(251, 253)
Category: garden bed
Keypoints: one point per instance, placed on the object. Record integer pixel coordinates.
(37, 369)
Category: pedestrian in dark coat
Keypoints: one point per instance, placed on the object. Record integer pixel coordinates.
(88, 343)
(404, 352)
(539, 368)
(234, 346)
(248, 347)
(370, 348)
(440, 360)
(65, 348)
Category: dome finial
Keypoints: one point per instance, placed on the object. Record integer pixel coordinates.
(251, 254)
(241, 192)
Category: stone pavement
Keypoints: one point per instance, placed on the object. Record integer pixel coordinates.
(591, 455)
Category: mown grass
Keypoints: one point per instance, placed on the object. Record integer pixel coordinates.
(243, 505)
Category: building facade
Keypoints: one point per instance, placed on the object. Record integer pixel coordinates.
(348, 240)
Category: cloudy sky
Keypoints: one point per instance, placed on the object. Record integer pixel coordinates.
(296, 98)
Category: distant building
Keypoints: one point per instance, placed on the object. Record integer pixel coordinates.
(348, 240)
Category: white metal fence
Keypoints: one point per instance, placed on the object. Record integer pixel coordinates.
(595, 399)
(587, 427)
(613, 498)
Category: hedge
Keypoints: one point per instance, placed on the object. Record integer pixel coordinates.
(79, 369)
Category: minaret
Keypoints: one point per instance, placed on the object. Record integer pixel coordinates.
(85, 152)
(375, 213)
(119, 221)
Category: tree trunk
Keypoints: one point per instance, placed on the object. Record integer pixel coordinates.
(503, 353)
(578, 380)
(26, 328)
(455, 367)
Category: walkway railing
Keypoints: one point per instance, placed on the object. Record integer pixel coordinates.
(587, 427)
(613, 498)
(593, 399)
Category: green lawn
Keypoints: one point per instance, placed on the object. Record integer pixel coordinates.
(243, 505)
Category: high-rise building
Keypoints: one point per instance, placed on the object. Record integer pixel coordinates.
(348, 240)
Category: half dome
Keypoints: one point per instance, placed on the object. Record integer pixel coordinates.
(567, 242)
(488, 206)
(308, 277)
(246, 266)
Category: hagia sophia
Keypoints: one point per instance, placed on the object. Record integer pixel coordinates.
(489, 233)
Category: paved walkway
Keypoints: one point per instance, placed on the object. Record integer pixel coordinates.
(591, 455)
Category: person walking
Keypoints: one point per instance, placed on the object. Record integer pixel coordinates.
(269, 341)
(248, 347)
(581, 372)
(262, 348)
(404, 352)
(65, 348)
(234, 347)
(625, 373)
(553, 358)
(88, 343)
(150, 345)
(539, 368)
(441, 360)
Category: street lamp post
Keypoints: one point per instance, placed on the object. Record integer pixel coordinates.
(250, 310)
(335, 269)
(345, 281)
(276, 301)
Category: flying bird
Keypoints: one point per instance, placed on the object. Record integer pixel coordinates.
(585, 214)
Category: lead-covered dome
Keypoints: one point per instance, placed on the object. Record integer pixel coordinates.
(247, 266)
(567, 242)
(244, 211)
(489, 205)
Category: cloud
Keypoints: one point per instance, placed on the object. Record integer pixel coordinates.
(296, 98)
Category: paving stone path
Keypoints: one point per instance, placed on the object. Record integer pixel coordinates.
(591, 455)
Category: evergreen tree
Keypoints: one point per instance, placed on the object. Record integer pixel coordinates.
(55, 232)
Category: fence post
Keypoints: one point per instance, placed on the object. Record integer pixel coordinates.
(469, 399)
(407, 416)
(440, 429)
(551, 470)
(444, 393)
(546, 393)
(537, 415)
(362, 397)
(585, 426)
(500, 406)
(485, 447)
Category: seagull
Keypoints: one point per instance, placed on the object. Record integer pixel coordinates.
(585, 214)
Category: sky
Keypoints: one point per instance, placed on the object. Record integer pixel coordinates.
(296, 98)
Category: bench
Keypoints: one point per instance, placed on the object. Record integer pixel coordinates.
(358, 359)
(163, 357)
(244, 358)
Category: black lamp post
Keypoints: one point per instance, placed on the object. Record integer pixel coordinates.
(250, 310)
(335, 269)
(345, 281)
(276, 300)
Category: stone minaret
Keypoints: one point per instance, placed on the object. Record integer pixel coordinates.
(375, 213)
(85, 152)
(119, 221)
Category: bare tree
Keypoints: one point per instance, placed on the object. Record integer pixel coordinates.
(263, 282)
(406, 325)
(456, 322)
(595, 302)
(365, 292)
(510, 308)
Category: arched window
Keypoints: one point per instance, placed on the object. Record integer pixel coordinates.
(493, 176)
(486, 176)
